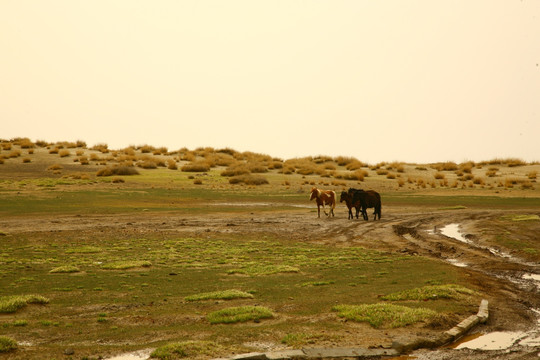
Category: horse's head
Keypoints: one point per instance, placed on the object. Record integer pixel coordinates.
(314, 193)
(344, 196)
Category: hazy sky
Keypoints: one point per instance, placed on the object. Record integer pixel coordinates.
(416, 81)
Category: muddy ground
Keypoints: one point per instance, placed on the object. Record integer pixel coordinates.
(414, 231)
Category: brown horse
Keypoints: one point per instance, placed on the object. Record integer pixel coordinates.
(324, 197)
(367, 199)
(348, 198)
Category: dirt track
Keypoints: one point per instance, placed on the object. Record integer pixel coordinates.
(411, 231)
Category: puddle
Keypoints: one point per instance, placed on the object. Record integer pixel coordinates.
(501, 340)
(456, 263)
(452, 231)
(533, 277)
(135, 355)
(493, 341)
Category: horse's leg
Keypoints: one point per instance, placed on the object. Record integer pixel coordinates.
(318, 210)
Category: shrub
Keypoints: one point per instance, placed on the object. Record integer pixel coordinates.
(236, 170)
(171, 164)
(145, 149)
(355, 165)
(117, 170)
(14, 154)
(478, 181)
(439, 176)
(102, 148)
(466, 167)
(26, 143)
(55, 167)
(7, 344)
(344, 160)
(515, 162)
(445, 166)
(532, 175)
(248, 180)
(64, 153)
(196, 166)
(26, 160)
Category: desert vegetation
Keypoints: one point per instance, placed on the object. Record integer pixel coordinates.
(253, 169)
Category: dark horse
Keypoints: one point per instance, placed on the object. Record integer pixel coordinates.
(366, 199)
(345, 196)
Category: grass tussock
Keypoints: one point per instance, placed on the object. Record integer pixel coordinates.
(196, 166)
(239, 314)
(220, 295)
(248, 180)
(117, 171)
(384, 315)
(431, 292)
(7, 344)
(445, 166)
(10, 304)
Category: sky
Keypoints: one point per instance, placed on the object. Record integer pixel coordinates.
(404, 80)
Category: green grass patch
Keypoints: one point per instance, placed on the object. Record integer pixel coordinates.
(239, 314)
(7, 344)
(297, 340)
(124, 265)
(187, 349)
(10, 304)
(66, 269)
(521, 217)
(384, 314)
(84, 250)
(431, 292)
(220, 295)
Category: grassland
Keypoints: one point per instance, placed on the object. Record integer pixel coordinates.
(109, 280)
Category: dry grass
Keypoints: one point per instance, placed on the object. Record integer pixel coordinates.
(197, 166)
(248, 180)
(117, 170)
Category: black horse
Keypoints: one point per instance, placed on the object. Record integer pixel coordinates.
(366, 199)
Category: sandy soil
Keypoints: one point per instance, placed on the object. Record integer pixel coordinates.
(401, 230)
